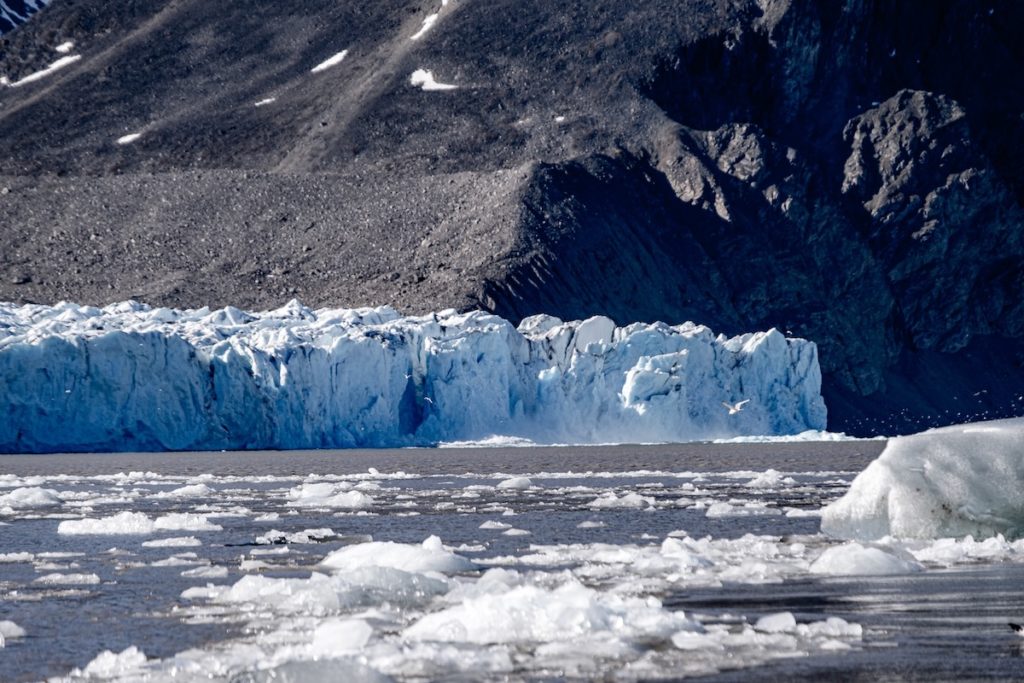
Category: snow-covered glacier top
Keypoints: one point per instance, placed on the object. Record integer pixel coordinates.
(132, 377)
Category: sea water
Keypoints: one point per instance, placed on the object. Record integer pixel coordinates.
(608, 563)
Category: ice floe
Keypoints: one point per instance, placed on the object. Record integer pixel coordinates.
(173, 542)
(326, 495)
(515, 483)
(136, 523)
(532, 614)
(855, 559)
(59, 579)
(29, 497)
(109, 664)
(430, 556)
(947, 482)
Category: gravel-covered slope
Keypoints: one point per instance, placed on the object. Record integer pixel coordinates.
(849, 173)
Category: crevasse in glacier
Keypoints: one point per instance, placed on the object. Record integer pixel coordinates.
(131, 377)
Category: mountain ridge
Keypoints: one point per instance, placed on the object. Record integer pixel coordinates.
(820, 169)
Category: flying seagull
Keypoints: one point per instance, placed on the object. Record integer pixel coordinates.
(1018, 629)
(734, 408)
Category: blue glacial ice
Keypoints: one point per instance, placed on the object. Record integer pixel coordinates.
(132, 377)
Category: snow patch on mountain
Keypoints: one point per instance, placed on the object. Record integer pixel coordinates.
(329, 62)
(131, 377)
(428, 22)
(42, 73)
(425, 81)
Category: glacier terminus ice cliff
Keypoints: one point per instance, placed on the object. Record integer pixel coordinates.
(132, 377)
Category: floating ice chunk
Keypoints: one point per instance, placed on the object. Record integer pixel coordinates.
(853, 559)
(176, 542)
(609, 501)
(329, 62)
(430, 556)
(65, 47)
(333, 637)
(128, 139)
(305, 536)
(683, 555)
(498, 526)
(833, 627)
(425, 80)
(750, 509)
(38, 75)
(327, 495)
(532, 614)
(6, 558)
(780, 622)
(770, 479)
(591, 524)
(185, 521)
(948, 482)
(123, 523)
(515, 532)
(802, 512)
(57, 579)
(8, 630)
(322, 594)
(110, 665)
(191, 491)
(265, 101)
(320, 669)
(205, 573)
(517, 483)
(30, 497)
(951, 551)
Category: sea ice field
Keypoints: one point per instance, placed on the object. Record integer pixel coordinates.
(609, 563)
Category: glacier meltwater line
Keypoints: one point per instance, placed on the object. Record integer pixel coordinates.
(132, 377)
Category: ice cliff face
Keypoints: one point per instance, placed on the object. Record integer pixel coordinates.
(130, 377)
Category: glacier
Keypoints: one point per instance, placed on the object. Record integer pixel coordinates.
(130, 377)
(951, 482)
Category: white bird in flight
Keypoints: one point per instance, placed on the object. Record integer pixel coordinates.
(734, 408)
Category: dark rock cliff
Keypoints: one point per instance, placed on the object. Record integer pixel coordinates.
(848, 172)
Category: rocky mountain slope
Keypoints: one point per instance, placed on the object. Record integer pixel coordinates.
(844, 172)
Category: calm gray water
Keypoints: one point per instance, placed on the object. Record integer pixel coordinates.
(942, 624)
